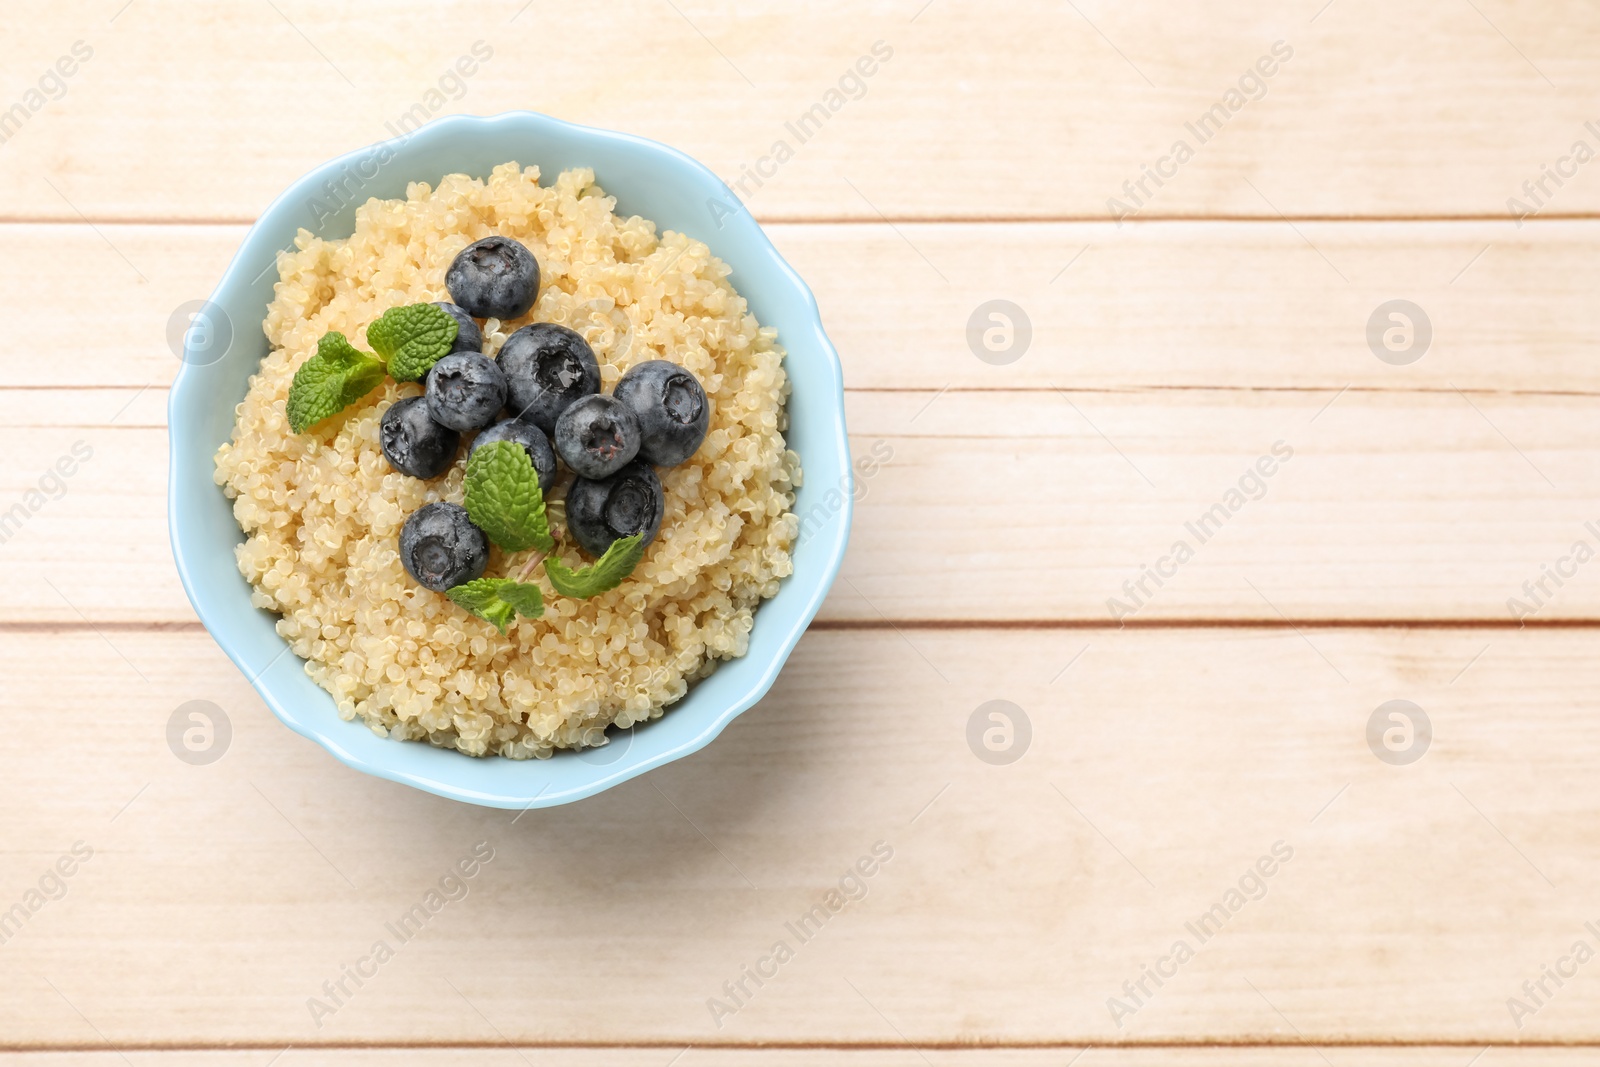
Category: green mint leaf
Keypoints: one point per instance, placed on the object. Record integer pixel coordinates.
(605, 573)
(524, 596)
(480, 598)
(412, 338)
(330, 381)
(503, 497)
(498, 600)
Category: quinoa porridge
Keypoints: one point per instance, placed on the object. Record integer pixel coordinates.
(323, 510)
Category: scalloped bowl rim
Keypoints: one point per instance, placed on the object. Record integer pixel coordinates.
(776, 294)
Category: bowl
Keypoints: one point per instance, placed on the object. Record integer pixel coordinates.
(226, 344)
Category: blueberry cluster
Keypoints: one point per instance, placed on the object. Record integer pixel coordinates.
(546, 381)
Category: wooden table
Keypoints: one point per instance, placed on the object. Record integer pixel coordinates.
(1366, 520)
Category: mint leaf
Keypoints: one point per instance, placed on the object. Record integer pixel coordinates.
(524, 596)
(503, 497)
(412, 338)
(498, 600)
(605, 573)
(330, 381)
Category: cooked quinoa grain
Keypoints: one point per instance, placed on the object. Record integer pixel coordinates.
(322, 510)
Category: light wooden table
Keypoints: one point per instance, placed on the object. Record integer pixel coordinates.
(1226, 318)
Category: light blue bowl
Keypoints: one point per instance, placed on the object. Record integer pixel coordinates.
(647, 179)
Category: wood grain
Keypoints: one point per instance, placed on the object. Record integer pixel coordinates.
(656, 1056)
(1035, 110)
(1161, 306)
(1231, 311)
(1016, 506)
(1018, 899)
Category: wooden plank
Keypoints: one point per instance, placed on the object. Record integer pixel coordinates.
(1161, 766)
(1352, 1056)
(1018, 505)
(1158, 306)
(1200, 305)
(1035, 110)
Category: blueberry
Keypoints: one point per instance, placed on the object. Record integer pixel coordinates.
(672, 410)
(465, 391)
(495, 278)
(413, 443)
(629, 502)
(441, 548)
(597, 436)
(533, 442)
(469, 338)
(547, 367)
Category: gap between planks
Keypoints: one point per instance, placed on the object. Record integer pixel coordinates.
(1175, 1044)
